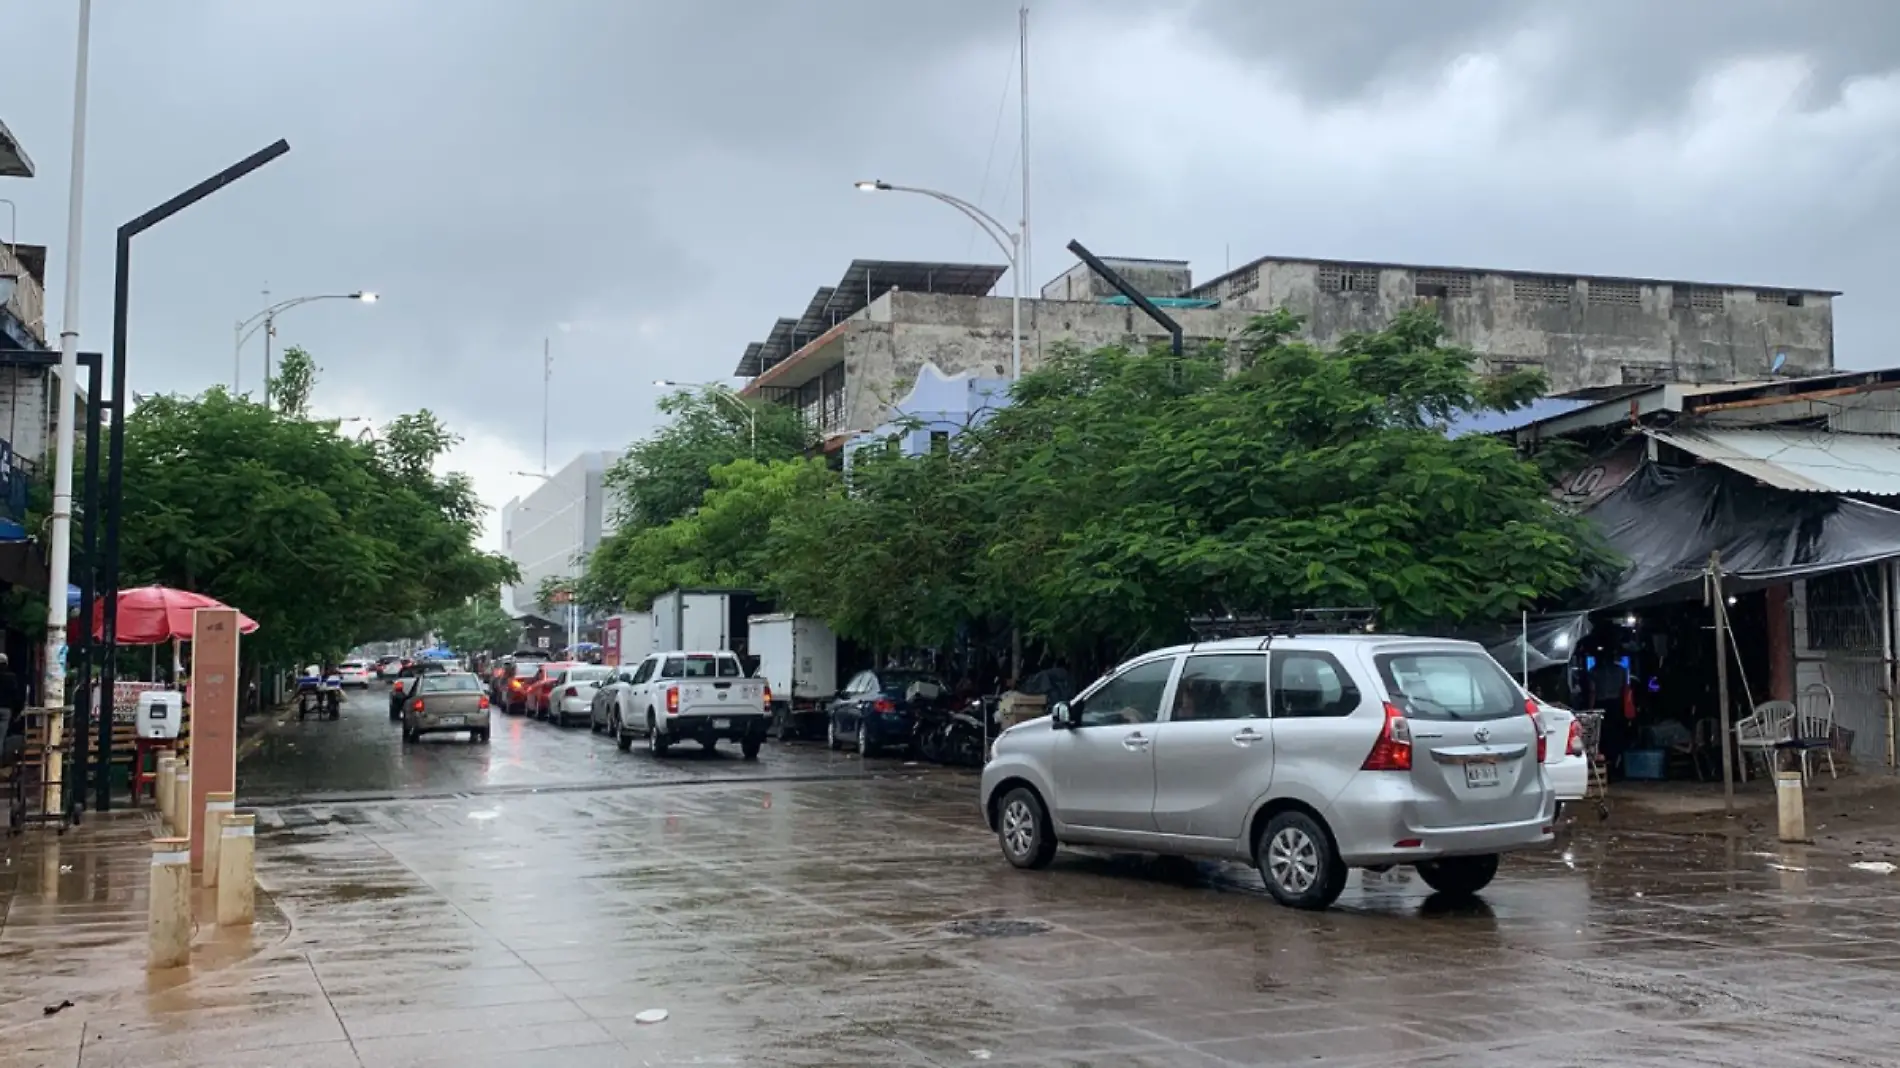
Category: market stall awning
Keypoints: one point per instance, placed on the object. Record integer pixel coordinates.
(1665, 521)
(1801, 461)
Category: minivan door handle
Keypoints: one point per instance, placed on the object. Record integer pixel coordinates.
(1247, 737)
(1134, 742)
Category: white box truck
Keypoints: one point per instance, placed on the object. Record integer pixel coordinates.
(627, 638)
(702, 620)
(798, 656)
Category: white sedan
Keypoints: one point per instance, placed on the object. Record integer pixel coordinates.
(354, 673)
(572, 698)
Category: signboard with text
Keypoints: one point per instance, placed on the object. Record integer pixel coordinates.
(214, 681)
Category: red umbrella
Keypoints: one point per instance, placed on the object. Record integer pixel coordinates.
(150, 615)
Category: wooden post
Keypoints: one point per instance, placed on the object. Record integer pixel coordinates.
(214, 713)
(169, 928)
(236, 879)
(1790, 808)
(167, 779)
(1720, 607)
(217, 806)
(181, 802)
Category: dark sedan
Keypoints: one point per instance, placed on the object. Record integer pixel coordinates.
(878, 709)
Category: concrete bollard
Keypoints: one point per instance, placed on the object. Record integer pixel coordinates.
(236, 878)
(218, 804)
(1790, 806)
(169, 928)
(167, 777)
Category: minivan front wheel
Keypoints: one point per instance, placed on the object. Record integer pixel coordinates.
(1296, 858)
(1022, 826)
(1459, 876)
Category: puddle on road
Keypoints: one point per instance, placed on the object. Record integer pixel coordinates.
(361, 892)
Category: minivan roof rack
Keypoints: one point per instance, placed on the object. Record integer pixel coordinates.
(1267, 628)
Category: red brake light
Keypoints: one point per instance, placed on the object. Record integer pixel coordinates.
(883, 704)
(484, 703)
(514, 684)
(672, 700)
(768, 696)
(417, 705)
(571, 692)
(1573, 746)
(1537, 724)
(1393, 750)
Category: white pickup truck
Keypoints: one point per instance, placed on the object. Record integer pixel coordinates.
(690, 697)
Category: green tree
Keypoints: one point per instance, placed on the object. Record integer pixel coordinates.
(295, 380)
(477, 626)
(664, 476)
(327, 542)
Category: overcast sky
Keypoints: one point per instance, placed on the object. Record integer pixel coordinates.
(650, 184)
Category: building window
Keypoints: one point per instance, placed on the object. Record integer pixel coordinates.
(1245, 282)
(1625, 294)
(1702, 298)
(1843, 613)
(1442, 284)
(1543, 290)
(1644, 374)
(940, 442)
(1788, 300)
(1336, 279)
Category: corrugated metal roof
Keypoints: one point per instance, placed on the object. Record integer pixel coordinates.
(1498, 422)
(1806, 461)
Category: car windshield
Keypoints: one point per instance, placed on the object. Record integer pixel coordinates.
(353, 665)
(445, 683)
(1449, 686)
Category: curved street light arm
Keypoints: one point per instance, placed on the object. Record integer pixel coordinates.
(1004, 237)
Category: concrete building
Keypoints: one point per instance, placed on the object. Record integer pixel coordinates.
(27, 398)
(1584, 332)
(859, 346)
(550, 532)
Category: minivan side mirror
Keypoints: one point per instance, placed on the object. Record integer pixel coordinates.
(1061, 716)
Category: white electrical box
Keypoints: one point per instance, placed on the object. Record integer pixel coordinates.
(161, 714)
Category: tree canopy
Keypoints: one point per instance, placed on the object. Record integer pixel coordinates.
(1123, 492)
(476, 626)
(325, 541)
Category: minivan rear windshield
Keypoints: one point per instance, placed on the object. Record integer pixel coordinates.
(1449, 686)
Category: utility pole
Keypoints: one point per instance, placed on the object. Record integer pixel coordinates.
(1720, 606)
(1022, 98)
(59, 571)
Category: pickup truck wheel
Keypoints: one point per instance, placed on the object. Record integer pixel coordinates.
(656, 743)
(750, 748)
(710, 744)
(621, 737)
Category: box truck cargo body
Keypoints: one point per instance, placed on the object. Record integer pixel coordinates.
(702, 620)
(798, 656)
(626, 638)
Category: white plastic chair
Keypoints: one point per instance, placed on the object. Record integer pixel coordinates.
(1814, 727)
(1761, 731)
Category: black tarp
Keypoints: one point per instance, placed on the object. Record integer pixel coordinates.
(1665, 521)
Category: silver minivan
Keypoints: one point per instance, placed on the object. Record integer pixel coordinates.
(1304, 756)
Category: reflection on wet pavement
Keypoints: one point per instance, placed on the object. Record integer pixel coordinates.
(871, 921)
(362, 755)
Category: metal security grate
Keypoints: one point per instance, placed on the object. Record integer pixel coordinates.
(1626, 294)
(1543, 290)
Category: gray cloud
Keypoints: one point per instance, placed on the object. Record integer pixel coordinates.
(667, 178)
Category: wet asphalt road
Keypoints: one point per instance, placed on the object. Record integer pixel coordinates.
(520, 904)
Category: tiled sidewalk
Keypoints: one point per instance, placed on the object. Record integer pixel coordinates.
(73, 915)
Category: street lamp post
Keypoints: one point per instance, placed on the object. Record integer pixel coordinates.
(1006, 239)
(267, 321)
(580, 548)
(725, 393)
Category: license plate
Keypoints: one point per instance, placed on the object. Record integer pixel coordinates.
(1477, 775)
(721, 724)
(452, 720)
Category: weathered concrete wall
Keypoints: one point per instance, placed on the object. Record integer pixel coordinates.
(1581, 332)
(1154, 278)
(26, 403)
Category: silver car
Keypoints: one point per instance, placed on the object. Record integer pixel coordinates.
(1304, 756)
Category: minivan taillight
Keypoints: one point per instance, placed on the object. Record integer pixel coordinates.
(1393, 750)
(1573, 746)
(672, 700)
(1537, 725)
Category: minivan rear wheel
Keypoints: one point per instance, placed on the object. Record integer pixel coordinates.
(1022, 826)
(1297, 860)
(1459, 876)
